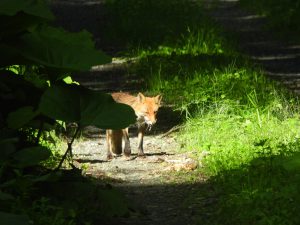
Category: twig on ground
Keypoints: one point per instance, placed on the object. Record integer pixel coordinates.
(173, 129)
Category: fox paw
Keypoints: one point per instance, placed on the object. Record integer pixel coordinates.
(141, 154)
(127, 152)
(109, 157)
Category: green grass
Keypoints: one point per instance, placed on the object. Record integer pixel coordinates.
(239, 116)
(243, 126)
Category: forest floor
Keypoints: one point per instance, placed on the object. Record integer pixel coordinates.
(162, 187)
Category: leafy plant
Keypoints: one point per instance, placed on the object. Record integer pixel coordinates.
(33, 93)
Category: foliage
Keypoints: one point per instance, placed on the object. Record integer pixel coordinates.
(34, 97)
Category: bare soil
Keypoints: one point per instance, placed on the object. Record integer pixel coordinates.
(157, 192)
(161, 156)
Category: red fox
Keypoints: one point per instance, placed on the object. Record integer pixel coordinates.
(145, 109)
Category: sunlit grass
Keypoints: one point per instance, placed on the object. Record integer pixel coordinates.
(235, 140)
(230, 109)
(193, 43)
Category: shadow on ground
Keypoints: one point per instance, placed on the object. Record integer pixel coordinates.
(169, 204)
(280, 60)
(111, 202)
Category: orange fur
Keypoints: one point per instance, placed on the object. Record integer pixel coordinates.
(145, 109)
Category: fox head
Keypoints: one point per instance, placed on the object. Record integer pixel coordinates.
(147, 107)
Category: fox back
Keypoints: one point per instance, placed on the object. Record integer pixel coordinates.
(145, 107)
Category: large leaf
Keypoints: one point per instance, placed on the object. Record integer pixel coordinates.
(100, 110)
(11, 27)
(20, 117)
(31, 156)
(5, 196)
(61, 103)
(56, 48)
(13, 219)
(7, 148)
(37, 8)
(16, 92)
(73, 103)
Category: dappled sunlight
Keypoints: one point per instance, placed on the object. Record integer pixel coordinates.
(280, 60)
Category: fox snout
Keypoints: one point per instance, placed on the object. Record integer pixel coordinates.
(150, 121)
(146, 119)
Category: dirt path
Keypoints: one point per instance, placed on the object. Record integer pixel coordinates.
(155, 193)
(161, 156)
(158, 195)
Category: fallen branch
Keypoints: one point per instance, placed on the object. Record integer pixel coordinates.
(173, 129)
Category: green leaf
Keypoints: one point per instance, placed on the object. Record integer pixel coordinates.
(69, 80)
(12, 27)
(101, 110)
(7, 148)
(50, 177)
(56, 48)
(13, 219)
(32, 7)
(74, 103)
(31, 156)
(16, 92)
(61, 103)
(5, 197)
(20, 117)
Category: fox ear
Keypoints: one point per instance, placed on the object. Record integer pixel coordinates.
(140, 97)
(158, 99)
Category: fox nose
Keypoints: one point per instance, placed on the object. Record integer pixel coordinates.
(153, 121)
(150, 121)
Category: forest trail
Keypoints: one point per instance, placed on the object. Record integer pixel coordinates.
(156, 194)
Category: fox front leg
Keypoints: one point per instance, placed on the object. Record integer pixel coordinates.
(108, 142)
(141, 131)
(127, 148)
